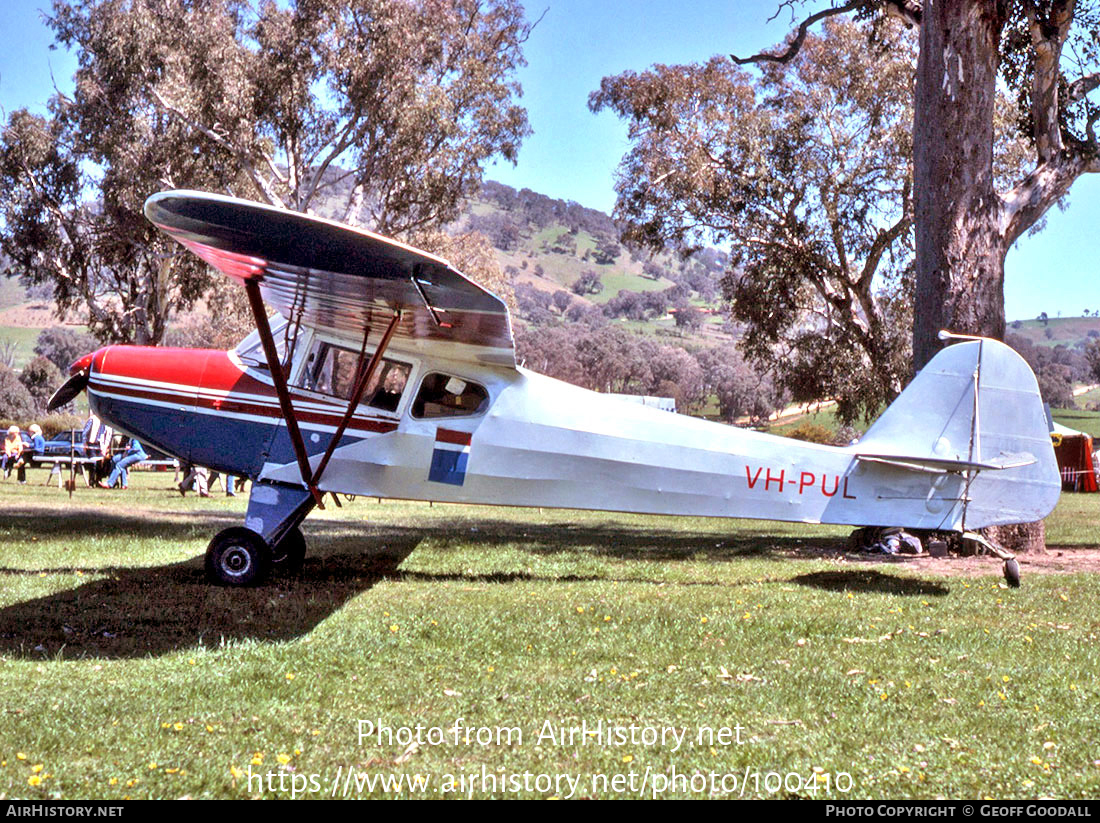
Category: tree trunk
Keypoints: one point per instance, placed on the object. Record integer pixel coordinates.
(960, 242)
(959, 249)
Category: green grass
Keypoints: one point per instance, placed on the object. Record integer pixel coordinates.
(124, 674)
(24, 340)
(1079, 419)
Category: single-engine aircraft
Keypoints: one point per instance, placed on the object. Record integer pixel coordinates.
(384, 372)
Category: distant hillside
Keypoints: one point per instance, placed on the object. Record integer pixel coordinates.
(565, 261)
(1074, 332)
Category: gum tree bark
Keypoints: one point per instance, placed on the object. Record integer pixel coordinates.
(960, 248)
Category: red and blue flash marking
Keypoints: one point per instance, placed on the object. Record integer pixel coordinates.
(452, 451)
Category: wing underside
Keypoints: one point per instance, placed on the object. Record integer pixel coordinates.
(336, 279)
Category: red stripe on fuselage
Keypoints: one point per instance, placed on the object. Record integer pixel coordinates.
(451, 436)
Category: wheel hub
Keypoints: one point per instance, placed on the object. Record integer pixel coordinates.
(236, 561)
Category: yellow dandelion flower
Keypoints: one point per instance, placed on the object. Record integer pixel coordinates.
(36, 768)
(290, 675)
(20, 756)
(283, 759)
(113, 781)
(393, 628)
(257, 759)
(628, 758)
(34, 780)
(178, 727)
(233, 770)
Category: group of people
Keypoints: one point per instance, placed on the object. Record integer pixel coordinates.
(108, 463)
(110, 469)
(17, 453)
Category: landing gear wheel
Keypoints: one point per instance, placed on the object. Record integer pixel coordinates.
(238, 557)
(1012, 573)
(288, 555)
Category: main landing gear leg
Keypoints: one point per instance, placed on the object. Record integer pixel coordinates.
(269, 540)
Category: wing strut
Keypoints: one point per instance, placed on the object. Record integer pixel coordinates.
(255, 300)
(357, 395)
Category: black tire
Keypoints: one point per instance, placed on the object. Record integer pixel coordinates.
(238, 557)
(1012, 573)
(288, 555)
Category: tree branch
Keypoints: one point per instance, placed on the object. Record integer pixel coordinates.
(1035, 194)
(1048, 35)
(800, 36)
(1082, 86)
(242, 157)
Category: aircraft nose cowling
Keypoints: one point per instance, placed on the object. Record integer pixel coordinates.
(146, 391)
(79, 372)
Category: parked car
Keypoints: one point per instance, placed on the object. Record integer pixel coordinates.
(61, 445)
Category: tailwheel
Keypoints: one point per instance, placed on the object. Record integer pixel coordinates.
(288, 555)
(238, 557)
(1011, 564)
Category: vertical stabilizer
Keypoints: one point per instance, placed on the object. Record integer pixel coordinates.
(975, 410)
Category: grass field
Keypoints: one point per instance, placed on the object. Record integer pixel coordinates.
(731, 658)
(24, 339)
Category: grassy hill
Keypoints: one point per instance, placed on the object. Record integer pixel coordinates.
(1057, 331)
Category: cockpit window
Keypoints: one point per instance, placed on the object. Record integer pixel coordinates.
(333, 370)
(251, 350)
(443, 395)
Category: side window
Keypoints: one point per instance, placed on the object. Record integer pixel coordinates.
(334, 370)
(442, 395)
(387, 385)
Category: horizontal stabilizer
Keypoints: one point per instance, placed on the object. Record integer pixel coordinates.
(938, 465)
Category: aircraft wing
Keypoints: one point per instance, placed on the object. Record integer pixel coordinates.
(339, 280)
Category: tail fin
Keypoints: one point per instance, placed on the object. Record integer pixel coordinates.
(974, 409)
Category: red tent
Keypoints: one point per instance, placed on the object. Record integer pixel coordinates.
(1074, 452)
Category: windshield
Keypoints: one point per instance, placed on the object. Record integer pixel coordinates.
(251, 351)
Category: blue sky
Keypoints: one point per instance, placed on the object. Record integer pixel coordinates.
(573, 153)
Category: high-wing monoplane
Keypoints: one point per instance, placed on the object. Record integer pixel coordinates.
(385, 372)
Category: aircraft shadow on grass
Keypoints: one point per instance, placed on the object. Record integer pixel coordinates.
(132, 611)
